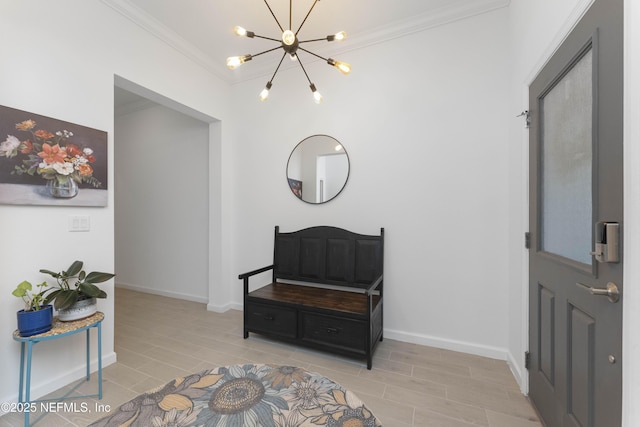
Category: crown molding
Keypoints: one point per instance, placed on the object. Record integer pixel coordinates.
(425, 21)
(162, 32)
(394, 30)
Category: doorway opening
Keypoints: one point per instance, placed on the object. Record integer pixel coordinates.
(162, 196)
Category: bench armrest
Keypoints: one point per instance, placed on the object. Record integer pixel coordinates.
(374, 285)
(254, 272)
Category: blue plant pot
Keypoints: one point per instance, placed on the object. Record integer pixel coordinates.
(35, 322)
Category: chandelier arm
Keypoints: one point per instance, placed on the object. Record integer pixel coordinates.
(277, 68)
(267, 38)
(274, 16)
(311, 53)
(305, 18)
(303, 69)
(309, 41)
(266, 51)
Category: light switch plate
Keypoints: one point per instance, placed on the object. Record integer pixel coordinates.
(79, 223)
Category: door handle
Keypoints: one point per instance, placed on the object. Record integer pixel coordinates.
(611, 291)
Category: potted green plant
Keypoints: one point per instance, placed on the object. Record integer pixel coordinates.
(36, 317)
(75, 294)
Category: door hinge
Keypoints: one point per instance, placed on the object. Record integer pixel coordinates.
(527, 240)
(527, 360)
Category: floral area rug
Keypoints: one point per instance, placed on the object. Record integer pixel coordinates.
(245, 396)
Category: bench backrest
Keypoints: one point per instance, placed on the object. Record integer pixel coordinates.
(328, 255)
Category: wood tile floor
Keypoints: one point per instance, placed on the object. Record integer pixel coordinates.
(159, 338)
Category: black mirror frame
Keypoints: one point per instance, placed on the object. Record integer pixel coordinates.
(292, 184)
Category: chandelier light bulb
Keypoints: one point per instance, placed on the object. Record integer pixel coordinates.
(343, 67)
(293, 57)
(288, 37)
(234, 62)
(317, 97)
(265, 92)
(242, 32)
(340, 36)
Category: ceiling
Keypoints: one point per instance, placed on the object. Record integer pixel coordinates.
(202, 29)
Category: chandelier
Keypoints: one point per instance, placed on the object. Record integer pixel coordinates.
(291, 45)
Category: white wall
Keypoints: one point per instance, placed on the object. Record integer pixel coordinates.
(67, 71)
(427, 142)
(162, 203)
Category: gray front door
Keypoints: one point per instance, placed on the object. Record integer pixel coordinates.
(575, 327)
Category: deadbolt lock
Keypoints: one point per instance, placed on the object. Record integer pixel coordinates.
(607, 242)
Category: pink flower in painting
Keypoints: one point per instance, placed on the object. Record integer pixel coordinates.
(26, 147)
(43, 134)
(53, 154)
(88, 153)
(73, 150)
(85, 170)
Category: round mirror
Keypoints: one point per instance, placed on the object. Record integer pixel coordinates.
(318, 169)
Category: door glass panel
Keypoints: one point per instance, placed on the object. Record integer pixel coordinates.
(567, 164)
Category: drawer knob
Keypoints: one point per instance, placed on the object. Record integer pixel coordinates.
(264, 316)
(332, 331)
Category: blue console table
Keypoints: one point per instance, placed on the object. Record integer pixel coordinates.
(60, 329)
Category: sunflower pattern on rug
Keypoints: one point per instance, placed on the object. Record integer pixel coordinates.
(245, 396)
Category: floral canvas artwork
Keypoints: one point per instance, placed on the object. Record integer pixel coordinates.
(46, 161)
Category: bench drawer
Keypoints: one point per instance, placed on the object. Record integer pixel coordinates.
(272, 320)
(334, 331)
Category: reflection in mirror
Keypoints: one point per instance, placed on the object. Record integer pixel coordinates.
(318, 169)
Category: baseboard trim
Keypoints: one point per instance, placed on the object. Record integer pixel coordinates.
(42, 389)
(224, 308)
(447, 344)
(210, 307)
(170, 294)
(518, 374)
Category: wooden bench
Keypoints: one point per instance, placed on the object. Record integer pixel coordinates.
(326, 291)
